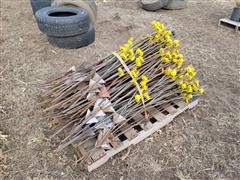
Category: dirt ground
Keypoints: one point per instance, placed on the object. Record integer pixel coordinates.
(203, 143)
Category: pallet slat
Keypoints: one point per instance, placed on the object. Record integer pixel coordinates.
(157, 120)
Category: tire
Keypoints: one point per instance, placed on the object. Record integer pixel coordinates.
(237, 3)
(93, 6)
(39, 4)
(73, 42)
(89, 5)
(235, 14)
(153, 5)
(176, 4)
(62, 21)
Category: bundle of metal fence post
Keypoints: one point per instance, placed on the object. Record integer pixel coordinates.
(93, 103)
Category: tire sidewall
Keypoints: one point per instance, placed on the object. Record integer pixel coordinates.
(74, 42)
(43, 15)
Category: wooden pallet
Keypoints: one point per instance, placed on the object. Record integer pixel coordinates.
(230, 23)
(159, 117)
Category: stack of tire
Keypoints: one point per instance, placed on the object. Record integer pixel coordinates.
(67, 23)
(154, 5)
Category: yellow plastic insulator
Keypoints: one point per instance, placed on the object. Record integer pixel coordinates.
(168, 71)
(176, 43)
(120, 72)
(130, 41)
(196, 83)
(143, 83)
(187, 98)
(135, 72)
(173, 73)
(201, 90)
(150, 38)
(165, 60)
(139, 52)
(131, 53)
(147, 96)
(145, 87)
(179, 62)
(180, 77)
(137, 98)
(189, 89)
(183, 85)
(168, 55)
(123, 56)
(145, 78)
(138, 63)
(132, 58)
(162, 52)
(179, 56)
(133, 82)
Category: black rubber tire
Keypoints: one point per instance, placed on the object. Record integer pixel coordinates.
(63, 21)
(237, 3)
(93, 6)
(39, 4)
(176, 4)
(235, 14)
(89, 5)
(153, 5)
(74, 42)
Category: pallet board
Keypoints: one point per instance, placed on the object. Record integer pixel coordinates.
(230, 23)
(159, 117)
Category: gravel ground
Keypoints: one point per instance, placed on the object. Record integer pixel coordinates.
(200, 144)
